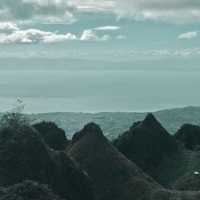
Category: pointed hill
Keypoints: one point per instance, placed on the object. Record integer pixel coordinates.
(114, 176)
(147, 143)
(25, 156)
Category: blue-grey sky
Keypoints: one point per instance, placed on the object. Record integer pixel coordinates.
(109, 30)
(139, 54)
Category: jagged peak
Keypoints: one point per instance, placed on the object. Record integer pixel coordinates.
(90, 128)
(150, 120)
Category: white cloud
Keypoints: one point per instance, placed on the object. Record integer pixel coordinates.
(188, 35)
(52, 38)
(8, 27)
(107, 28)
(33, 36)
(91, 35)
(11, 33)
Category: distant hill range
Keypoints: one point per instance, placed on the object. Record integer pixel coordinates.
(145, 162)
(114, 124)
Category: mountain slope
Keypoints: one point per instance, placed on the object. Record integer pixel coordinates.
(147, 143)
(160, 155)
(25, 156)
(114, 176)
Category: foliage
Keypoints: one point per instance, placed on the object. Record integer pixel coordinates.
(13, 120)
(53, 135)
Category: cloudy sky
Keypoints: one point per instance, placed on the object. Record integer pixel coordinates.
(107, 30)
(156, 42)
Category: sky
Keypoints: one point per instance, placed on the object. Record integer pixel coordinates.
(108, 55)
(127, 31)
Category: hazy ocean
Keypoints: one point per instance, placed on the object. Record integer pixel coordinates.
(99, 90)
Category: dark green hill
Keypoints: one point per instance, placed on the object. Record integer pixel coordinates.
(147, 143)
(114, 176)
(189, 135)
(25, 156)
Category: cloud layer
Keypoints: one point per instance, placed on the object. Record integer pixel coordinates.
(34, 36)
(11, 33)
(175, 11)
(46, 10)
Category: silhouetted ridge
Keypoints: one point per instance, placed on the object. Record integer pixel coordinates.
(114, 176)
(147, 143)
(150, 121)
(89, 129)
(27, 190)
(189, 135)
(24, 155)
(55, 137)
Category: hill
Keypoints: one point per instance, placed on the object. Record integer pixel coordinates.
(163, 156)
(114, 124)
(147, 143)
(114, 176)
(90, 167)
(25, 156)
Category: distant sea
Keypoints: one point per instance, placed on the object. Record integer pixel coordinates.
(99, 90)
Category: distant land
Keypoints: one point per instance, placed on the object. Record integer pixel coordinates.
(114, 123)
